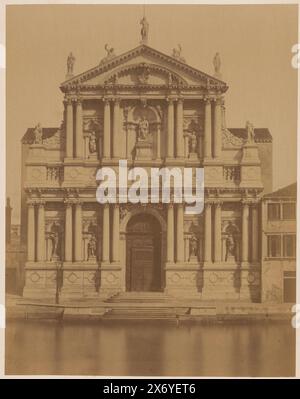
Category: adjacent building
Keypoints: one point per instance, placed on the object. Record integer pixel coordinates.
(279, 245)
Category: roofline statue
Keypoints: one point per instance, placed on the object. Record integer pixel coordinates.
(70, 65)
(144, 30)
(217, 66)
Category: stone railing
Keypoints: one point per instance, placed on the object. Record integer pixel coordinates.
(55, 173)
(232, 174)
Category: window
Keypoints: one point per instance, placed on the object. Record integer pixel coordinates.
(273, 211)
(274, 245)
(289, 210)
(289, 246)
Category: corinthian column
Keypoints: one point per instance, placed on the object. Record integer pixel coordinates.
(30, 233)
(68, 232)
(41, 232)
(218, 129)
(254, 234)
(207, 234)
(69, 128)
(170, 234)
(78, 232)
(179, 235)
(106, 136)
(207, 129)
(116, 129)
(105, 233)
(218, 235)
(170, 149)
(245, 231)
(79, 133)
(116, 233)
(179, 129)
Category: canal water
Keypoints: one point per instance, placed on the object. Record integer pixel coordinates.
(150, 348)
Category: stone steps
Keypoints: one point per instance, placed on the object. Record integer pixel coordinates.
(140, 297)
(131, 312)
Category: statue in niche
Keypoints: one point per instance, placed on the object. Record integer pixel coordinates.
(231, 242)
(193, 246)
(92, 247)
(92, 142)
(70, 64)
(144, 29)
(250, 133)
(143, 129)
(55, 239)
(38, 134)
(193, 142)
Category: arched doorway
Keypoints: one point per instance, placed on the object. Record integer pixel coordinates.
(143, 254)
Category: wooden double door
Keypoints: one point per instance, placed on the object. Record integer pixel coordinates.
(143, 254)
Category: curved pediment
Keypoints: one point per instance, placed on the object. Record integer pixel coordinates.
(144, 74)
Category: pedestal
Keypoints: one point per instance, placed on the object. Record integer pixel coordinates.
(143, 150)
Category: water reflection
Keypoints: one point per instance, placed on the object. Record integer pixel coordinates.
(150, 348)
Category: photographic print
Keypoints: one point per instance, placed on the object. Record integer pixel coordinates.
(151, 190)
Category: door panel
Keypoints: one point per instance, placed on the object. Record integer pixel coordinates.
(143, 254)
(142, 269)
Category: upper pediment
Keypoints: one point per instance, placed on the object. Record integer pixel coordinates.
(143, 66)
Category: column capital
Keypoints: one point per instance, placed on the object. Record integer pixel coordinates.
(116, 100)
(68, 101)
(31, 203)
(219, 101)
(217, 203)
(170, 100)
(180, 100)
(208, 202)
(68, 204)
(41, 203)
(249, 202)
(207, 100)
(171, 204)
(79, 100)
(78, 202)
(106, 100)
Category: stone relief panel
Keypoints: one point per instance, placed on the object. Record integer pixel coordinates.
(141, 74)
(36, 174)
(191, 281)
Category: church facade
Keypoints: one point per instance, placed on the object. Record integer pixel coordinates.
(153, 110)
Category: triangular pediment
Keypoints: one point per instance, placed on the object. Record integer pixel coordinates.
(143, 66)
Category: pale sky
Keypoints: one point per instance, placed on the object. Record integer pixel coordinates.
(254, 42)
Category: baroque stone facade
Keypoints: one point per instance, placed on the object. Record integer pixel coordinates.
(152, 110)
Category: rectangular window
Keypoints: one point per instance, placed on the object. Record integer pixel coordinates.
(289, 245)
(273, 211)
(274, 246)
(289, 210)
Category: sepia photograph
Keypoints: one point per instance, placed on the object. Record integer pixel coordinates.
(151, 190)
